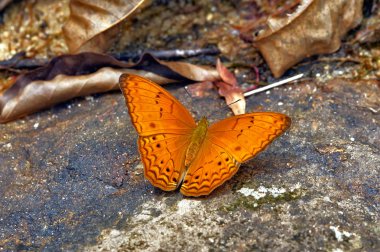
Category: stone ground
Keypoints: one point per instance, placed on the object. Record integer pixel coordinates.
(71, 179)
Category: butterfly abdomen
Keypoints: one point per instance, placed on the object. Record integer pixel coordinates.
(197, 138)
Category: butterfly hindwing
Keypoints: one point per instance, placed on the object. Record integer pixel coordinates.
(163, 158)
(244, 136)
(210, 169)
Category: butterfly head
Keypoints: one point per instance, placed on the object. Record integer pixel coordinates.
(203, 122)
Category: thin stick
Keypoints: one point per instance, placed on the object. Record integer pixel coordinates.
(174, 54)
(19, 62)
(276, 84)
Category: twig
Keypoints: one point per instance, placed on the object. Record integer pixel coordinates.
(341, 59)
(19, 62)
(168, 54)
(276, 84)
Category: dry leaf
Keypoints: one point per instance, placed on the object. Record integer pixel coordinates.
(4, 3)
(227, 87)
(230, 89)
(200, 89)
(39, 94)
(192, 72)
(93, 23)
(316, 27)
(70, 76)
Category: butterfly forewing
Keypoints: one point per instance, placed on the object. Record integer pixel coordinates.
(246, 135)
(164, 127)
(152, 109)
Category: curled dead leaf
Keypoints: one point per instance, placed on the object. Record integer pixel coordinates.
(42, 94)
(69, 76)
(93, 23)
(234, 97)
(230, 89)
(227, 87)
(316, 27)
(200, 89)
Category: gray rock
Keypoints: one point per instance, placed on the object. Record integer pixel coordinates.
(71, 179)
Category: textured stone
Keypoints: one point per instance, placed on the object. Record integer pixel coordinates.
(71, 179)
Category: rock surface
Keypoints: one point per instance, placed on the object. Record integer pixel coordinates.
(71, 179)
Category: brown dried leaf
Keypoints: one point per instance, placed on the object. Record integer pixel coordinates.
(4, 3)
(230, 89)
(94, 23)
(227, 87)
(316, 27)
(70, 76)
(191, 72)
(200, 89)
(40, 94)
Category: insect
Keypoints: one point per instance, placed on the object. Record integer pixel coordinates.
(177, 151)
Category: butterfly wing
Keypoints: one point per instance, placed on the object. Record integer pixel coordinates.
(153, 109)
(244, 136)
(163, 157)
(228, 143)
(164, 127)
(211, 168)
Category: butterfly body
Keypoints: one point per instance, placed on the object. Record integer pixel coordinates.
(177, 152)
(197, 139)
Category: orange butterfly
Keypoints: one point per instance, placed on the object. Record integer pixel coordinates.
(175, 149)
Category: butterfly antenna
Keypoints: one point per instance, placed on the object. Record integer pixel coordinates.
(225, 107)
(187, 91)
(233, 102)
(191, 101)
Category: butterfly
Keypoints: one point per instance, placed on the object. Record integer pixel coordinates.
(177, 151)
